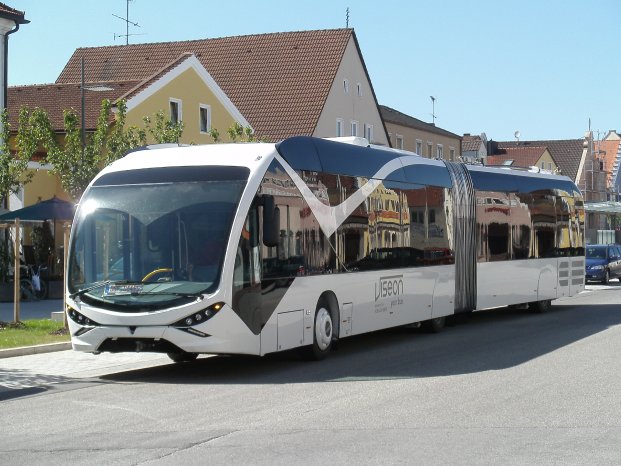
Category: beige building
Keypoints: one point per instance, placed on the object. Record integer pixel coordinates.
(411, 134)
(309, 83)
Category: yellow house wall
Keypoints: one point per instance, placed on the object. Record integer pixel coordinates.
(191, 90)
(547, 159)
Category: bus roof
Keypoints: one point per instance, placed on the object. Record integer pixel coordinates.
(254, 156)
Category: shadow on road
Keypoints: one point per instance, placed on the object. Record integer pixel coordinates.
(485, 341)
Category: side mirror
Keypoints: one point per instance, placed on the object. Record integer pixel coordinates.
(271, 222)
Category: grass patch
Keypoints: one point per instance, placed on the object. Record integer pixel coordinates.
(31, 332)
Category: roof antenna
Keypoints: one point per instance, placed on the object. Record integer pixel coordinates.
(127, 23)
(433, 109)
(347, 17)
(517, 137)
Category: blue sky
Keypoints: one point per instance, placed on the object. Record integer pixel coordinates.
(543, 67)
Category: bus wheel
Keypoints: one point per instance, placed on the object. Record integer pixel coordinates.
(434, 325)
(540, 306)
(322, 336)
(183, 356)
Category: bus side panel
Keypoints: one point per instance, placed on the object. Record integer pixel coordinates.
(379, 299)
(504, 283)
(444, 292)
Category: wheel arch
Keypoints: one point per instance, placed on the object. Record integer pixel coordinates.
(329, 300)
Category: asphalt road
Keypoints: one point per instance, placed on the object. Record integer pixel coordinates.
(503, 387)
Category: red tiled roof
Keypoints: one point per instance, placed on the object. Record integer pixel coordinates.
(54, 98)
(11, 13)
(391, 115)
(470, 143)
(567, 153)
(524, 157)
(279, 81)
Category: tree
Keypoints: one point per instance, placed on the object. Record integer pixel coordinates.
(164, 130)
(76, 164)
(237, 133)
(13, 168)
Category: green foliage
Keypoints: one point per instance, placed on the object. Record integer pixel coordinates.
(215, 134)
(237, 133)
(13, 168)
(31, 332)
(6, 258)
(76, 164)
(42, 243)
(161, 129)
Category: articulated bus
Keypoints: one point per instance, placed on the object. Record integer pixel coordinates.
(258, 248)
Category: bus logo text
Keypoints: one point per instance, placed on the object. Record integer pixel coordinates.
(389, 286)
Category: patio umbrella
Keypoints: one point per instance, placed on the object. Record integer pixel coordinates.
(51, 209)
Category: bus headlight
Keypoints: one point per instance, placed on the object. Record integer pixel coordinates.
(199, 317)
(80, 319)
(86, 324)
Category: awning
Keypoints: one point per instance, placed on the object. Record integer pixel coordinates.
(606, 207)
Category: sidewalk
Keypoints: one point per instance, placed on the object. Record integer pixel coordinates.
(67, 367)
(31, 309)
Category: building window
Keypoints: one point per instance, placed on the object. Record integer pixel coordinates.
(176, 115)
(359, 90)
(430, 150)
(368, 132)
(339, 127)
(543, 165)
(452, 153)
(204, 115)
(550, 166)
(399, 142)
(419, 147)
(440, 151)
(346, 86)
(354, 128)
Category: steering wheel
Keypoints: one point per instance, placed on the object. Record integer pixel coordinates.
(156, 272)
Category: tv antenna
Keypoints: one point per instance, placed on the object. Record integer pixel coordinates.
(433, 109)
(347, 17)
(127, 23)
(517, 137)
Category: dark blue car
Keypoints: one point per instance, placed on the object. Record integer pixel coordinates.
(603, 262)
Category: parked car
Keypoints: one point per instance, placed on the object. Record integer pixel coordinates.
(603, 262)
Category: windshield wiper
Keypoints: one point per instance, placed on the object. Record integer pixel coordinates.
(98, 285)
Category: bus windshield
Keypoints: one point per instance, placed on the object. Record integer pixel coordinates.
(146, 245)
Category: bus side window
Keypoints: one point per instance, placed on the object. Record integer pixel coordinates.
(247, 271)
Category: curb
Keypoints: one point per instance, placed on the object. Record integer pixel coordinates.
(38, 349)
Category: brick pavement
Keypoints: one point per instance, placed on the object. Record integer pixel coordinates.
(40, 370)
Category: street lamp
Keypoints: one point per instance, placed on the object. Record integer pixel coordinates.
(83, 89)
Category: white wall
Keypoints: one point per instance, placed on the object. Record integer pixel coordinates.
(351, 106)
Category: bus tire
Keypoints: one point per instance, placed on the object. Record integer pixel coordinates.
(540, 307)
(434, 325)
(182, 357)
(323, 335)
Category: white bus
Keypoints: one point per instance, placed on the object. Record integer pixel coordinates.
(258, 248)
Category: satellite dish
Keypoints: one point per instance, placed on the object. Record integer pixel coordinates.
(517, 135)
